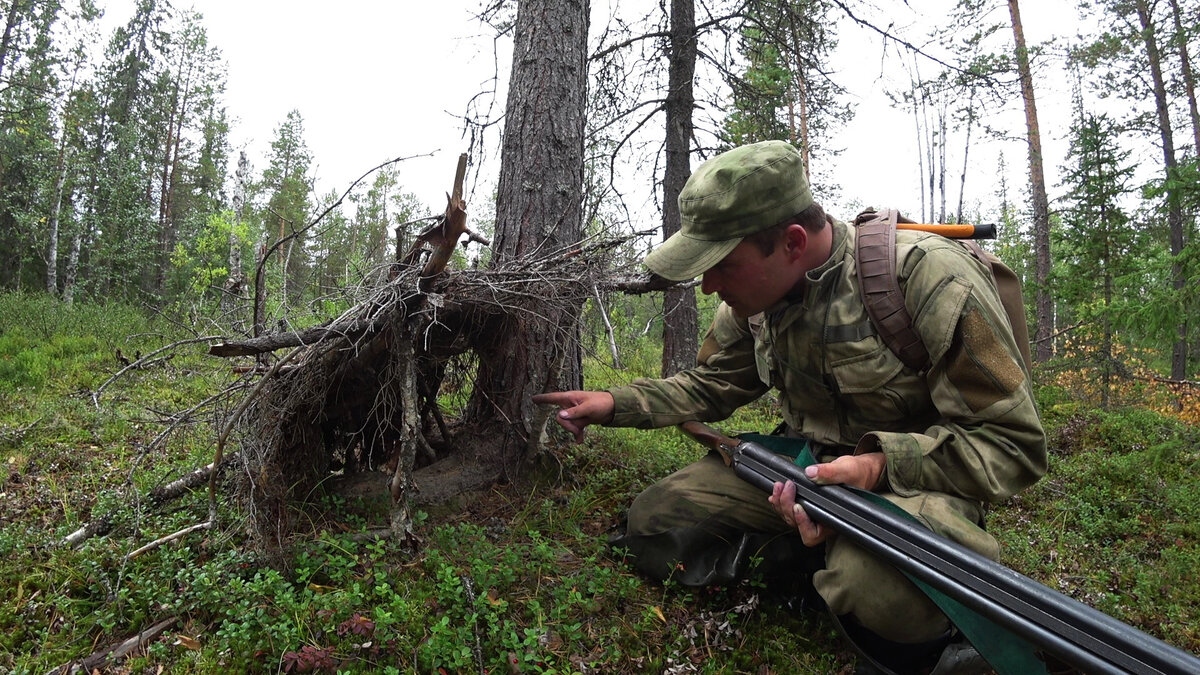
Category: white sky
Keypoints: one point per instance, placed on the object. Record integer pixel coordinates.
(378, 79)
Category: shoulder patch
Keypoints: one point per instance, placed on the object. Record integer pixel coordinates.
(978, 363)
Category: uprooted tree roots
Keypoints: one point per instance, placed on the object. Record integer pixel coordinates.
(363, 393)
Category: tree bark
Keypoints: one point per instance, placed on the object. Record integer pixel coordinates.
(680, 315)
(72, 271)
(1044, 304)
(1179, 351)
(539, 208)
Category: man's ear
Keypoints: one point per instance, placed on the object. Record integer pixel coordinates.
(795, 241)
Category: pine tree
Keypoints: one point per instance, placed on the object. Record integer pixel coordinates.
(1096, 242)
(1129, 49)
(785, 92)
(289, 188)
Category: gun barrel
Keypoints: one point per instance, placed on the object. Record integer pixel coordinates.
(1071, 630)
(953, 230)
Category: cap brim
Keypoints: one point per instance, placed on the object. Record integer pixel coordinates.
(682, 257)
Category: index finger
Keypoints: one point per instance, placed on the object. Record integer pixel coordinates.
(559, 398)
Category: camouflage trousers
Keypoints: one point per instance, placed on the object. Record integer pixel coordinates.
(703, 525)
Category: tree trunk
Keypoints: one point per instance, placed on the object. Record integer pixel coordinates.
(801, 94)
(71, 273)
(920, 151)
(1179, 352)
(55, 210)
(1189, 80)
(943, 141)
(962, 183)
(680, 315)
(6, 41)
(539, 208)
(168, 232)
(1044, 306)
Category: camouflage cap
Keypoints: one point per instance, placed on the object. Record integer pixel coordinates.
(737, 193)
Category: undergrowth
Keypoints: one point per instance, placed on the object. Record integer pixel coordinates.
(515, 580)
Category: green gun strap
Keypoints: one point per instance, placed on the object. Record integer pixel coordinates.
(1004, 650)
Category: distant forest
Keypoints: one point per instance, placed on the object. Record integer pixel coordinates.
(118, 181)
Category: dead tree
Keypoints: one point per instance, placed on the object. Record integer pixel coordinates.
(364, 393)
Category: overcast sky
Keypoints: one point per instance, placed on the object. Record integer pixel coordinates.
(378, 79)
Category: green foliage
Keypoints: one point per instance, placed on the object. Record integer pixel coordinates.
(784, 91)
(46, 343)
(1114, 523)
(761, 95)
(201, 264)
(514, 579)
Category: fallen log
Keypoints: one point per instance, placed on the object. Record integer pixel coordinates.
(270, 343)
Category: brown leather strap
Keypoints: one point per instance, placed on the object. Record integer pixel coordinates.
(875, 253)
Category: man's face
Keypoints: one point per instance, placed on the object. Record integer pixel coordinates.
(750, 282)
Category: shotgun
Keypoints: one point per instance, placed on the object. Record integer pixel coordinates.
(1070, 630)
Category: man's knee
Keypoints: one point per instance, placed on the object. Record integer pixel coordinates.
(878, 595)
(705, 494)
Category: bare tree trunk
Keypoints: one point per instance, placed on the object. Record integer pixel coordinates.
(942, 143)
(1044, 305)
(680, 315)
(169, 179)
(1179, 352)
(1189, 80)
(801, 94)
(72, 270)
(920, 153)
(55, 211)
(539, 207)
(962, 183)
(237, 278)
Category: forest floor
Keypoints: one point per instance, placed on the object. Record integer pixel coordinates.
(509, 580)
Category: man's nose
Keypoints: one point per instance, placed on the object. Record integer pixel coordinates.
(709, 283)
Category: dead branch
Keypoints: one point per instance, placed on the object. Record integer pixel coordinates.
(158, 496)
(15, 435)
(92, 529)
(269, 343)
(144, 359)
(640, 285)
(180, 417)
(887, 35)
(608, 328)
(1177, 383)
(106, 656)
(1064, 331)
(192, 479)
(207, 525)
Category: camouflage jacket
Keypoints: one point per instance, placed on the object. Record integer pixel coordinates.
(967, 427)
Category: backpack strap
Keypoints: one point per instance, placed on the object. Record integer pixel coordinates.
(875, 255)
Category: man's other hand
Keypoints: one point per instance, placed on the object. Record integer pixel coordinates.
(861, 471)
(579, 409)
